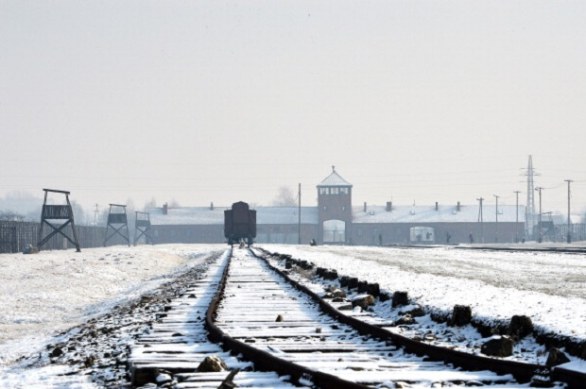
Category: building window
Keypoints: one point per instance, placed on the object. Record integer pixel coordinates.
(334, 191)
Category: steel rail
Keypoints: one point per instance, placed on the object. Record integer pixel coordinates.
(263, 360)
(544, 249)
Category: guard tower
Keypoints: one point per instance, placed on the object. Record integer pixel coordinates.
(117, 221)
(51, 215)
(143, 227)
(334, 199)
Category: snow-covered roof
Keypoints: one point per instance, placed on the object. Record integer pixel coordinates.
(428, 214)
(334, 179)
(188, 216)
(209, 216)
(373, 214)
(286, 215)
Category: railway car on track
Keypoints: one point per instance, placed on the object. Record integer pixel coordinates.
(240, 224)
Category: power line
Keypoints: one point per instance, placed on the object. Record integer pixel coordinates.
(530, 205)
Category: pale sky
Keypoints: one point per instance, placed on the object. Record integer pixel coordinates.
(201, 101)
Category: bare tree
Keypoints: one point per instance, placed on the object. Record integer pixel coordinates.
(285, 197)
(150, 204)
(11, 216)
(21, 206)
(78, 213)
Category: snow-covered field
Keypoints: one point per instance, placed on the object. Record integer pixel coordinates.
(550, 288)
(45, 293)
(42, 294)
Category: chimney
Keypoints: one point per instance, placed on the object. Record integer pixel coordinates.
(365, 206)
(212, 206)
(165, 209)
(389, 206)
(458, 206)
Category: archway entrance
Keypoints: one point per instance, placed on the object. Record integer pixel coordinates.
(334, 231)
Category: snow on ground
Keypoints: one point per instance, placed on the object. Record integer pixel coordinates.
(42, 294)
(46, 293)
(548, 287)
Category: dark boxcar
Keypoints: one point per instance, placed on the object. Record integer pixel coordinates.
(240, 223)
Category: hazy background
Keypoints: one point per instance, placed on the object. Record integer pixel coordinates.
(201, 101)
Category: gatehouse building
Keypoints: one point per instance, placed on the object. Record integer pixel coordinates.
(335, 220)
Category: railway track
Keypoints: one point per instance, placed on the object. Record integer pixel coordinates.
(520, 248)
(272, 318)
(178, 344)
(244, 307)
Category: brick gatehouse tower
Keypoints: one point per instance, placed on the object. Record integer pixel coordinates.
(334, 199)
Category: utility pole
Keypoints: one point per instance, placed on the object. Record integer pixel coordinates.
(539, 233)
(299, 215)
(569, 221)
(481, 220)
(517, 216)
(496, 213)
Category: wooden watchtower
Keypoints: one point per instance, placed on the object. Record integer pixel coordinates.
(142, 227)
(54, 213)
(117, 221)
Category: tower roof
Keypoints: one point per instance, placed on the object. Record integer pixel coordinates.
(334, 179)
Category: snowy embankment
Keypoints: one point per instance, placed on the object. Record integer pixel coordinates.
(550, 288)
(42, 294)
